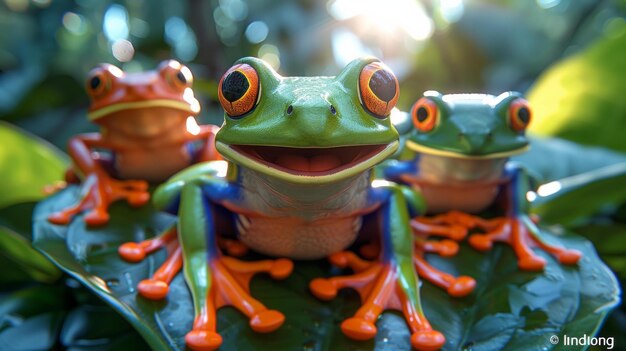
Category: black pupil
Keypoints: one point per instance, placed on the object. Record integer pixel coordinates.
(422, 114)
(181, 77)
(383, 85)
(524, 115)
(234, 86)
(94, 82)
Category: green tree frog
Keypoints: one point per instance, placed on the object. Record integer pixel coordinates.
(458, 152)
(297, 184)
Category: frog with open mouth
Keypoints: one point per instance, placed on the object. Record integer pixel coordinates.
(297, 183)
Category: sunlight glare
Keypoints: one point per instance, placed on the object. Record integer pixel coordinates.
(192, 126)
(407, 15)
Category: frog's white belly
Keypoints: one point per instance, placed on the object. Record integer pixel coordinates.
(296, 238)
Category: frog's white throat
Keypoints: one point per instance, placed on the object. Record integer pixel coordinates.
(308, 165)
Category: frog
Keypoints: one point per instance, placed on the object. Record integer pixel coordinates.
(457, 155)
(148, 132)
(296, 184)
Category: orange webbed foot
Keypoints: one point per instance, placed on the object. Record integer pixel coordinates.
(230, 280)
(455, 286)
(521, 235)
(378, 286)
(98, 191)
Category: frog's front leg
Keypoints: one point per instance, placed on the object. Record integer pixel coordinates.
(517, 229)
(388, 283)
(99, 189)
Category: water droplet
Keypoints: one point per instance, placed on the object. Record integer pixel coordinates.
(113, 282)
(385, 340)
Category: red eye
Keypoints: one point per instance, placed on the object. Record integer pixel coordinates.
(177, 75)
(378, 89)
(424, 115)
(519, 115)
(239, 90)
(101, 79)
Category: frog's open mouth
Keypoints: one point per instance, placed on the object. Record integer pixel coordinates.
(315, 164)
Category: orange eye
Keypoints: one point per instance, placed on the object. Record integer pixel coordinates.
(519, 115)
(424, 115)
(101, 79)
(239, 90)
(177, 75)
(378, 89)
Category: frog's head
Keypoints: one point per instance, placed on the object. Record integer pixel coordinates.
(141, 103)
(472, 126)
(308, 129)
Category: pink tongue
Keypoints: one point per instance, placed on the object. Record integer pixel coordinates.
(318, 163)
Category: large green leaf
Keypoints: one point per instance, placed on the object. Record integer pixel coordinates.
(510, 309)
(581, 97)
(27, 164)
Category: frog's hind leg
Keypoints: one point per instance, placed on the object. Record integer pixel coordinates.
(380, 289)
(216, 280)
(522, 235)
(157, 286)
(455, 286)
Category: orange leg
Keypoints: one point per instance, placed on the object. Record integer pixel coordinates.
(136, 252)
(230, 279)
(157, 287)
(379, 289)
(522, 236)
(98, 191)
(455, 286)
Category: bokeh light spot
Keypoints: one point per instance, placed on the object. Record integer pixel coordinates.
(256, 32)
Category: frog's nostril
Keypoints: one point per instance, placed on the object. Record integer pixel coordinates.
(289, 109)
(333, 110)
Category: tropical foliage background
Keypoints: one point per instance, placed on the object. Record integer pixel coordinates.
(568, 56)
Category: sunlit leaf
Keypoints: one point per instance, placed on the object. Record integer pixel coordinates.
(512, 309)
(27, 164)
(581, 98)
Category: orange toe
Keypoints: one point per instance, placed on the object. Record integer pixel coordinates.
(480, 242)
(569, 256)
(138, 199)
(132, 252)
(323, 289)
(97, 218)
(358, 328)
(531, 263)
(267, 321)
(427, 340)
(59, 218)
(153, 289)
(281, 268)
(203, 340)
(462, 286)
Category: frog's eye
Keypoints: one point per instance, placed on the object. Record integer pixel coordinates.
(424, 115)
(101, 79)
(378, 89)
(177, 75)
(519, 115)
(239, 90)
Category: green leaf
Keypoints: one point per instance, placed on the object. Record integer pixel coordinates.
(30, 318)
(510, 309)
(581, 98)
(18, 251)
(27, 164)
